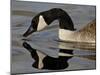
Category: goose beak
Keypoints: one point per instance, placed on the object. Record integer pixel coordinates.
(29, 31)
(27, 46)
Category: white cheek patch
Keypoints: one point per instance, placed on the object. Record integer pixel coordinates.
(41, 24)
(41, 57)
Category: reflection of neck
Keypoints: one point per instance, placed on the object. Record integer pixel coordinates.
(41, 57)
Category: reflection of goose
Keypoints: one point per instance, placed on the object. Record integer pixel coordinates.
(66, 30)
(43, 61)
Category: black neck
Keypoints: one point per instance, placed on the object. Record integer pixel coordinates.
(59, 14)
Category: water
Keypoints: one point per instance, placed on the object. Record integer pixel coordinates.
(45, 41)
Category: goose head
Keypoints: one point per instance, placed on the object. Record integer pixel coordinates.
(37, 24)
(45, 18)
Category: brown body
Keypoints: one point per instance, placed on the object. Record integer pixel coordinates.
(86, 34)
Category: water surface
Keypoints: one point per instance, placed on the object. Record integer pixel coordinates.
(45, 41)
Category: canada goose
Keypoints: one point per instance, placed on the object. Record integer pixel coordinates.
(45, 18)
(66, 27)
(43, 61)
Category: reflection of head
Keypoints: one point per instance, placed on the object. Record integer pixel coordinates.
(48, 62)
